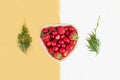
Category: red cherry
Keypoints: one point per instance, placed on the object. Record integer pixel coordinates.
(57, 37)
(50, 50)
(69, 48)
(62, 50)
(53, 43)
(63, 45)
(54, 33)
(62, 36)
(61, 41)
(45, 30)
(52, 36)
(71, 28)
(72, 42)
(57, 55)
(58, 45)
(74, 31)
(66, 40)
(45, 37)
(67, 33)
(48, 43)
(55, 48)
(66, 28)
(51, 28)
(61, 30)
(73, 35)
(65, 54)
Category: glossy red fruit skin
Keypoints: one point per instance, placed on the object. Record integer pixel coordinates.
(45, 38)
(65, 53)
(54, 33)
(61, 42)
(51, 28)
(63, 45)
(53, 43)
(52, 36)
(62, 36)
(48, 43)
(69, 47)
(57, 37)
(66, 28)
(73, 35)
(45, 30)
(50, 50)
(73, 42)
(59, 45)
(57, 55)
(55, 48)
(71, 28)
(67, 33)
(62, 50)
(61, 30)
(66, 40)
(74, 31)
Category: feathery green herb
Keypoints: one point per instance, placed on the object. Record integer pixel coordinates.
(24, 39)
(93, 41)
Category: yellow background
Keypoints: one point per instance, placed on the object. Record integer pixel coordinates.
(36, 65)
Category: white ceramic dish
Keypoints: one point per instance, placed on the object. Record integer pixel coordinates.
(45, 49)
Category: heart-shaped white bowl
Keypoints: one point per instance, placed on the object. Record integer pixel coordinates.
(44, 47)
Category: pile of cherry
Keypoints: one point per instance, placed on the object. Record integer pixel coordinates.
(59, 40)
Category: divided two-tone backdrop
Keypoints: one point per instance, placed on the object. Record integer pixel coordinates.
(81, 64)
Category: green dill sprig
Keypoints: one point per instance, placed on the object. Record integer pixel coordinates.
(93, 41)
(24, 39)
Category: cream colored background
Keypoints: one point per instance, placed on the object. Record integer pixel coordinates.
(36, 65)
